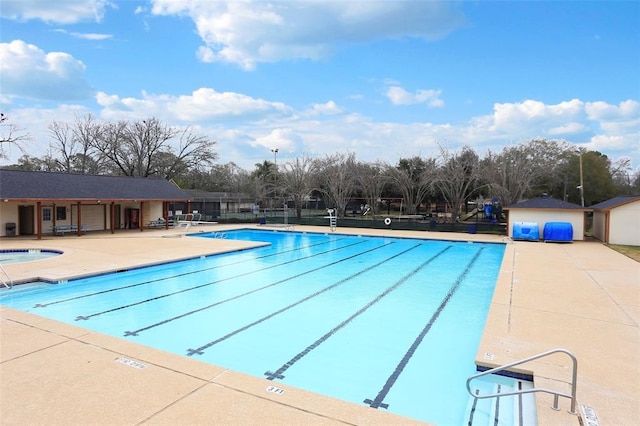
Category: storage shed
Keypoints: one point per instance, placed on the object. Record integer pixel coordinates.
(617, 221)
(545, 209)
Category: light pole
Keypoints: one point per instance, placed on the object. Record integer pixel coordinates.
(275, 163)
(581, 187)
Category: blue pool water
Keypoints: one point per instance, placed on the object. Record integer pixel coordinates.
(25, 255)
(388, 323)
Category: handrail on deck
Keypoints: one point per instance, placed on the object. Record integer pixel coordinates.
(7, 274)
(532, 390)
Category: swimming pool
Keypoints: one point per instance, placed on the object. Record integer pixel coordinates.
(25, 255)
(388, 323)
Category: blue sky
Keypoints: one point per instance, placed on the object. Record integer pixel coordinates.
(383, 79)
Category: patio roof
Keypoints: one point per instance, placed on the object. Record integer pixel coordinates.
(615, 202)
(40, 186)
(545, 202)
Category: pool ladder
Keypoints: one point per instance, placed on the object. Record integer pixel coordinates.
(4, 283)
(555, 394)
(332, 219)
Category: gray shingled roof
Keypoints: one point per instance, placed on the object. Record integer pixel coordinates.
(545, 202)
(28, 185)
(615, 202)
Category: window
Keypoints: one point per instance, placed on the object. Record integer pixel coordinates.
(61, 213)
(46, 214)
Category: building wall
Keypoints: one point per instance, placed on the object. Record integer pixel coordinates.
(152, 211)
(600, 225)
(8, 214)
(624, 224)
(96, 217)
(542, 216)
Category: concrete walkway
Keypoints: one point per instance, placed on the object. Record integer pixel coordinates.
(582, 296)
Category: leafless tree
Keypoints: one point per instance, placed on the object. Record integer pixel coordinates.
(297, 180)
(371, 180)
(75, 145)
(517, 170)
(458, 177)
(413, 178)
(337, 180)
(151, 148)
(10, 134)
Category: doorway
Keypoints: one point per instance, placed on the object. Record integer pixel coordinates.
(26, 215)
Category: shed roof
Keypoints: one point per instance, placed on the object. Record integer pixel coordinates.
(35, 185)
(615, 202)
(545, 202)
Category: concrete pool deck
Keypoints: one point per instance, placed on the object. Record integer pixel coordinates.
(583, 297)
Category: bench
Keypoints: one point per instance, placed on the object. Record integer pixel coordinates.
(160, 224)
(62, 229)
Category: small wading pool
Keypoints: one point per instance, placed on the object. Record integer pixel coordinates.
(388, 323)
(25, 255)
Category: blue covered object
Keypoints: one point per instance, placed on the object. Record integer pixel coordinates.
(526, 231)
(558, 232)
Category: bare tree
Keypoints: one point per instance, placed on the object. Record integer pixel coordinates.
(371, 180)
(75, 144)
(143, 148)
(517, 170)
(337, 180)
(64, 143)
(458, 177)
(621, 173)
(413, 178)
(297, 180)
(111, 143)
(10, 134)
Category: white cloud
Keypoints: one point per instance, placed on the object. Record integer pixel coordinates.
(27, 71)
(59, 11)
(399, 96)
(91, 36)
(247, 128)
(531, 115)
(568, 129)
(204, 104)
(282, 139)
(249, 32)
(85, 36)
(327, 108)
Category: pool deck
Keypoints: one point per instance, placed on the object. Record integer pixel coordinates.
(583, 297)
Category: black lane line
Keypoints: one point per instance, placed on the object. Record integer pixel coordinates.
(496, 417)
(520, 407)
(42, 305)
(377, 402)
(86, 317)
(278, 373)
(201, 349)
(220, 302)
(473, 409)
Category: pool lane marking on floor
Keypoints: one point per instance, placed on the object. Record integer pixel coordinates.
(86, 317)
(377, 402)
(220, 302)
(200, 350)
(184, 274)
(278, 373)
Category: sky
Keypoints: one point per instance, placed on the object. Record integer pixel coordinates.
(382, 79)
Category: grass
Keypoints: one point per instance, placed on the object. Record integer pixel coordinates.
(630, 251)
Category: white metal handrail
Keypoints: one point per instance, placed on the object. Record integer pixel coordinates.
(7, 274)
(555, 394)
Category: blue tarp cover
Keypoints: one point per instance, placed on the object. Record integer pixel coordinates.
(526, 231)
(558, 231)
